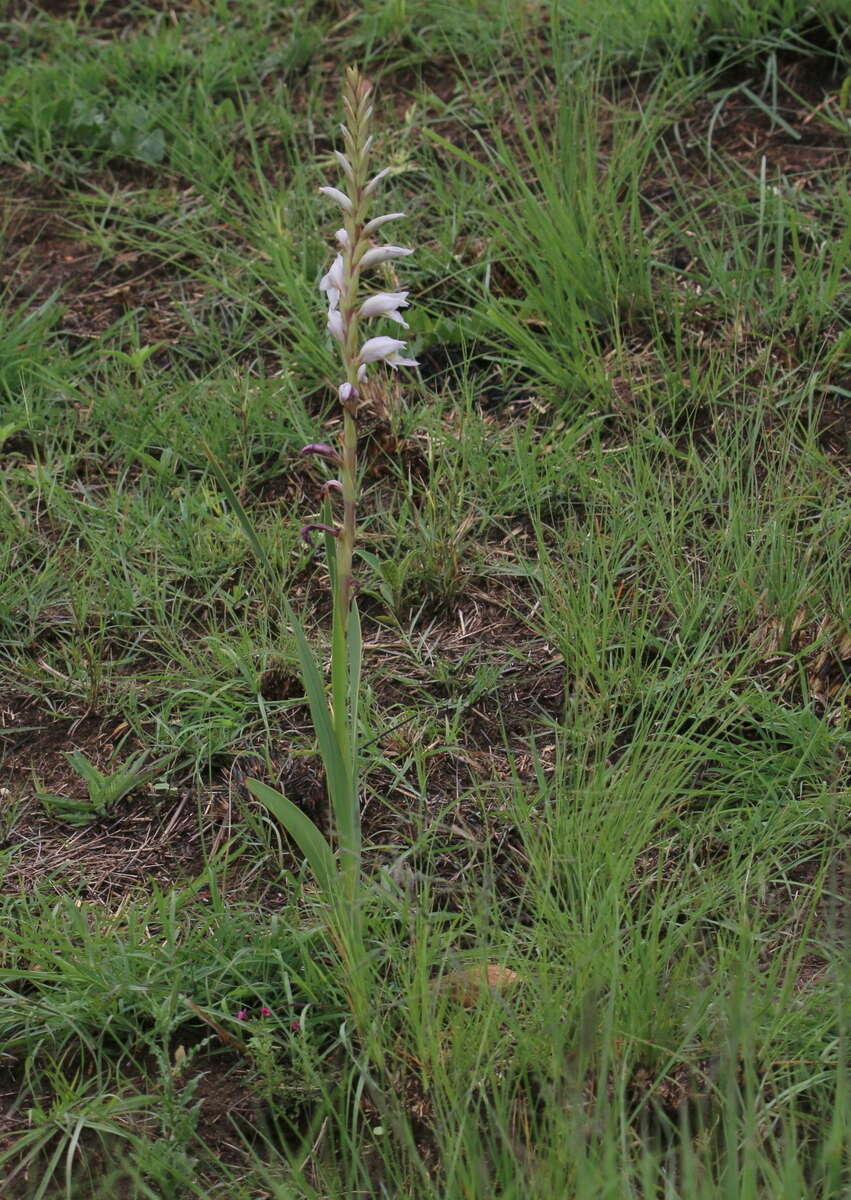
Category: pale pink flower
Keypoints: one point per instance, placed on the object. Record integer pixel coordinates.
(335, 325)
(383, 349)
(380, 254)
(385, 304)
(379, 347)
(333, 282)
(396, 360)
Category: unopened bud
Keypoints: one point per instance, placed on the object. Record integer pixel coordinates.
(321, 450)
(306, 531)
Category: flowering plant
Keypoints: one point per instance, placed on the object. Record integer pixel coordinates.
(336, 723)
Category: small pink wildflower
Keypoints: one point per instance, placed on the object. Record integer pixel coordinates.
(265, 1012)
(242, 1015)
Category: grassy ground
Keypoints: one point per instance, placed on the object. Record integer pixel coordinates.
(608, 643)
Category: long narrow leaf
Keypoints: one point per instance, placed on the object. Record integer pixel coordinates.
(310, 841)
(339, 678)
(483, 168)
(355, 640)
(336, 769)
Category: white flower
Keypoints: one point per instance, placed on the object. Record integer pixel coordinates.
(333, 282)
(377, 222)
(379, 347)
(342, 238)
(383, 349)
(335, 325)
(380, 254)
(341, 197)
(386, 304)
(396, 360)
(344, 391)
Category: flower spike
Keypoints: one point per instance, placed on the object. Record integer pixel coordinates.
(337, 860)
(348, 306)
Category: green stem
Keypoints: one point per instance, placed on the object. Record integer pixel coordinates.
(348, 823)
(345, 670)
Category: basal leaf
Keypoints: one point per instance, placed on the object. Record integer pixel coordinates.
(310, 841)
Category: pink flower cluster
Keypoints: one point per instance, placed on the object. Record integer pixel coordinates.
(243, 1014)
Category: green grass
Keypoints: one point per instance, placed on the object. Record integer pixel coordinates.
(604, 589)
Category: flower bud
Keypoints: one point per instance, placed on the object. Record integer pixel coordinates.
(345, 164)
(341, 198)
(377, 222)
(376, 179)
(306, 531)
(321, 450)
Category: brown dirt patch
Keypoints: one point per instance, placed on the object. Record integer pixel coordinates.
(147, 838)
(45, 254)
(795, 134)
